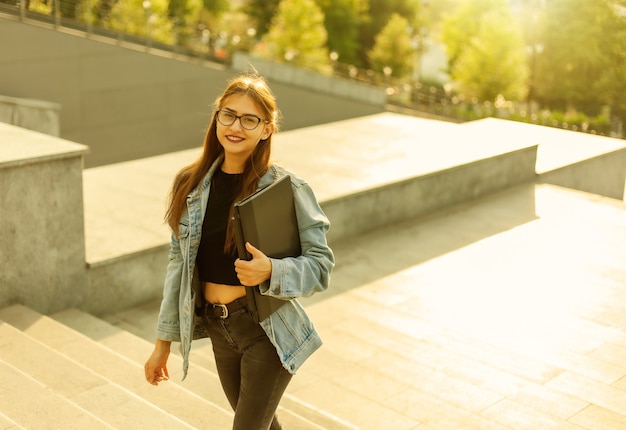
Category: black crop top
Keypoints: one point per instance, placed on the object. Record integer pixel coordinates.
(213, 264)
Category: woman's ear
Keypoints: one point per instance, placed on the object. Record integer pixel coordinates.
(267, 131)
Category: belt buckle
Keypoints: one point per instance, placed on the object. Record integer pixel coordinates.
(224, 310)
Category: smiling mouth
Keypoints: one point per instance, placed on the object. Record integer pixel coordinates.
(234, 139)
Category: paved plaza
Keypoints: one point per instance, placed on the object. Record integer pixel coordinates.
(505, 313)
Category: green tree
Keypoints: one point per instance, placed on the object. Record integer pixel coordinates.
(393, 49)
(297, 35)
(435, 11)
(494, 61)
(342, 19)
(463, 25)
(184, 14)
(486, 53)
(215, 7)
(40, 7)
(380, 12)
(581, 65)
(144, 18)
(618, 52)
(97, 12)
(530, 18)
(261, 12)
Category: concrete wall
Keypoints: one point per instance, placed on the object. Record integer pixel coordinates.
(125, 282)
(585, 162)
(604, 175)
(38, 115)
(127, 104)
(380, 206)
(42, 252)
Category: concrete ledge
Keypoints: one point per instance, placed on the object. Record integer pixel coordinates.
(21, 147)
(41, 213)
(604, 174)
(125, 281)
(376, 207)
(585, 162)
(37, 115)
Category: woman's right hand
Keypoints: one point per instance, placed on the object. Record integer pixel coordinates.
(156, 366)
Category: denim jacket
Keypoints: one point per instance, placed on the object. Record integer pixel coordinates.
(289, 328)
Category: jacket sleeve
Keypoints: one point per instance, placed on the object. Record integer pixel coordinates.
(168, 326)
(302, 276)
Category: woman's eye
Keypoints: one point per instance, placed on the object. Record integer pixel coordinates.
(249, 121)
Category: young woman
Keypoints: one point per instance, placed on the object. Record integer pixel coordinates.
(205, 286)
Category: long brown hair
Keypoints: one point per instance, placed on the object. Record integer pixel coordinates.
(256, 166)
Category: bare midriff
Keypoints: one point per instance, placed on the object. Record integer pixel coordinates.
(221, 293)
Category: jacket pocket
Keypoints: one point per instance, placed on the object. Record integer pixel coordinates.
(292, 333)
(183, 228)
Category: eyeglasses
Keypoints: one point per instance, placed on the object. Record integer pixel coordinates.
(249, 122)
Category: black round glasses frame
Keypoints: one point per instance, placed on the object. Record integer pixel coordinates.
(248, 121)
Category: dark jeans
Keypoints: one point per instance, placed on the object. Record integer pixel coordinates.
(249, 368)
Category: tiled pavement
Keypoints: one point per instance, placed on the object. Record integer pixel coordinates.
(506, 313)
(484, 318)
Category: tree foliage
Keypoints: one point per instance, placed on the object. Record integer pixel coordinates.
(342, 19)
(393, 49)
(184, 15)
(297, 35)
(380, 12)
(582, 61)
(493, 62)
(146, 18)
(463, 25)
(618, 54)
(262, 12)
(215, 7)
(486, 54)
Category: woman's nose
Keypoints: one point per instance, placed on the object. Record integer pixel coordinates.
(237, 124)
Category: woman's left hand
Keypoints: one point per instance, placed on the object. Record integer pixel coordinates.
(253, 272)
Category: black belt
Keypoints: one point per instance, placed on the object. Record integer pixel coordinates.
(213, 310)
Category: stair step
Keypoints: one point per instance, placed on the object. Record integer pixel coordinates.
(93, 393)
(27, 403)
(138, 350)
(292, 412)
(172, 398)
(7, 423)
(317, 418)
(141, 321)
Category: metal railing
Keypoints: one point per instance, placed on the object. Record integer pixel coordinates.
(71, 15)
(442, 102)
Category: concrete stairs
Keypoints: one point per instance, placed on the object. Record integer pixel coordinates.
(72, 370)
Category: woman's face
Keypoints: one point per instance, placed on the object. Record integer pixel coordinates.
(237, 141)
